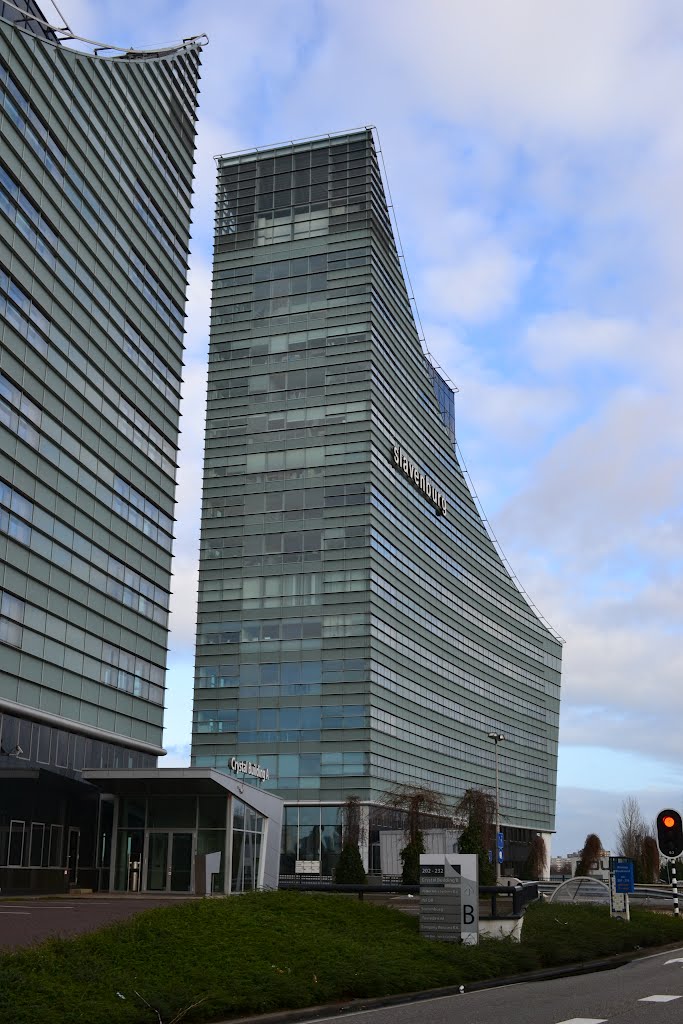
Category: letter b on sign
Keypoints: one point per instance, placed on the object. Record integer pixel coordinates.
(467, 914)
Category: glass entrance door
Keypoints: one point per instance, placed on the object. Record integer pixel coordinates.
(157, 862)
(181, 862)
(169, 861)
(73, 855)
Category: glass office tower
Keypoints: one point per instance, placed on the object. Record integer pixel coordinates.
(357, 627)
(96, 166)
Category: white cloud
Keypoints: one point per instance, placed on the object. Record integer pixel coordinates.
(177, 756)
(561, 341)
(479, 284)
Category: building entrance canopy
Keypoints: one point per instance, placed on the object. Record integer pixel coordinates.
(189, 830)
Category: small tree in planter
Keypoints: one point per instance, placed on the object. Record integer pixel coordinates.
(349, 869)
(476, 811)
(537, 859)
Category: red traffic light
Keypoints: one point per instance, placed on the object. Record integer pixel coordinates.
(670, 833)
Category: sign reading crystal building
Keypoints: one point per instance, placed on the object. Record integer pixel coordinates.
(249, 768)
(419, 479)
(449, 897)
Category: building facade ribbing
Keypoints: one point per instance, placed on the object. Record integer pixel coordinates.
(96, 168)
(357, 628)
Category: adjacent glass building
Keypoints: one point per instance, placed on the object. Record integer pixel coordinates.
(357, 627)
(96, 165)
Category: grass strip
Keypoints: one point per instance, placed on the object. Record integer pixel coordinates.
(283, 950)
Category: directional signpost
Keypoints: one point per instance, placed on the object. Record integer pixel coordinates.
(449, 897)
(621, 883)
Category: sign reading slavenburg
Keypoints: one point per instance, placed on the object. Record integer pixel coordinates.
(422, 482)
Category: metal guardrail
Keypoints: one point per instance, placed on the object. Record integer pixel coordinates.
(516, 897)
(306, 885)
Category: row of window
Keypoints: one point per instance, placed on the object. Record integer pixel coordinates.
(253, 632)
(29, 124)
(512, 801)
(150, 214)
(314, 340)
(339, 151)
(31, 844)
(271, 724)
(111, 95)
(73, 553)
(84, 286)
(448, 598)
(433, 698)
(233, 674)
(48, 745)
(19, 415)
(11, 619)
(31, 323)
(439, 626)
(46, 636)
(487, 593)
(410, 691)
(483, 554)
(477, 651)
(415, 649)
(126, 337)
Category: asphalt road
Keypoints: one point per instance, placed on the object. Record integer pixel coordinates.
(24, 922)
(646, 991)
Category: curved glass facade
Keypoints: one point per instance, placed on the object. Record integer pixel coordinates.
(357, 627)
(96, 168)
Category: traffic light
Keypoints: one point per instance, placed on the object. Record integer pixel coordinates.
(670, 833)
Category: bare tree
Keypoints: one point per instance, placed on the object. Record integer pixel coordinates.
(650, 860)
(352, 828)
(631, 830)
(421, 806)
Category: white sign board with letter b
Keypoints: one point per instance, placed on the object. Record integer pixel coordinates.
(449, 897)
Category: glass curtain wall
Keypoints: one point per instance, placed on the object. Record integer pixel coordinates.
(357, 627)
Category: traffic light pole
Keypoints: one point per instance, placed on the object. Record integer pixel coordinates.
(674, 886)
(670, 843)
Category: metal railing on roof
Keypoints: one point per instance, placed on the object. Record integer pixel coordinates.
(63, 34)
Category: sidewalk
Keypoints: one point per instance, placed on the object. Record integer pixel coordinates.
(26, 920)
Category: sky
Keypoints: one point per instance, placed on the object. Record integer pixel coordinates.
(534, 154)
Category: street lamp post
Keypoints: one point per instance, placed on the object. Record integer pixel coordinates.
(497, 738)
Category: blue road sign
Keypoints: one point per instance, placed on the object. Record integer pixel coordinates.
(623, 876)
(500, 856)
(499, 840)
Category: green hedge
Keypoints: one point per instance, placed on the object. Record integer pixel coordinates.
(270, 951)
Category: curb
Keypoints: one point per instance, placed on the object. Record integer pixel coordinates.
(379, 1002)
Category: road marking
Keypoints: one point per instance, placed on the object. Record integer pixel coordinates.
(27, 912)
(653, 956)
(585, 1020)
(658, 999)
(678, 960)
